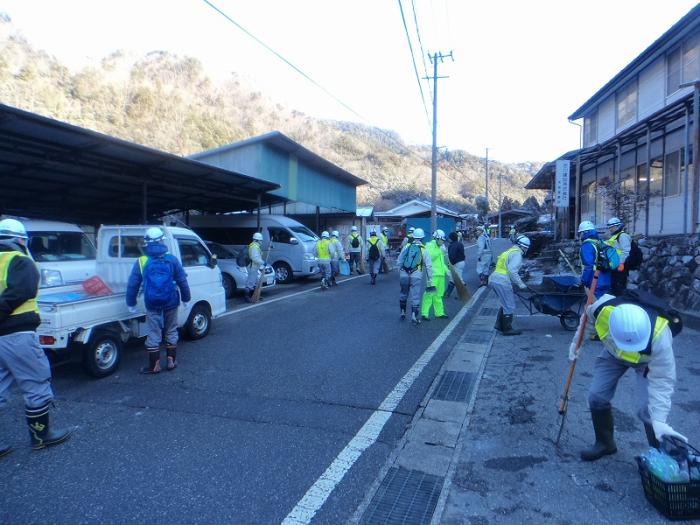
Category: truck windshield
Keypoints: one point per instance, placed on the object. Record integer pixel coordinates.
(303, 233)
(60, 246)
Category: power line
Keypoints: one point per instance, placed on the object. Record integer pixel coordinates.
(413, 59)
(420, 42)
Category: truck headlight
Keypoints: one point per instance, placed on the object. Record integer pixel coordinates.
(51, 278)
(309, 257)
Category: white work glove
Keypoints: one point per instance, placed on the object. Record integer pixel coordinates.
(663, 429)
(185, 305)
(573, 354)
(132, 309)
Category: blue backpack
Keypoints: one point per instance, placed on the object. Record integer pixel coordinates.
(158, 284)
(413, 258)
(607, 258)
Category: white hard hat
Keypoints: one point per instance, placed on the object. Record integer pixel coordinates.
(354, 228)
(411, 229)
(523, 242)
(586, 226)
(439, 234)
(385, 229)
(12, 228)
(615, 221)
(257, 236)
(324, 235)
(418, 233)
(630, 327)
(153, 234)
(335, 233)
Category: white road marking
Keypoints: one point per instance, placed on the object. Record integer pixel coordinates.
(270, 301)
(316, 496)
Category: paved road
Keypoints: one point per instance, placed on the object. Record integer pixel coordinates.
(251, 418)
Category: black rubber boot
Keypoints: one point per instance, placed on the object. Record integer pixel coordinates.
(604, 429)
(507, 324)
(499, 320)
(248, 295)
(153, 361)
(171, 353)
(402, 305)
(40, 432)
(373, 277)
(651, 436)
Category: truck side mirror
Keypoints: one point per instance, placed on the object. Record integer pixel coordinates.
(213, 261)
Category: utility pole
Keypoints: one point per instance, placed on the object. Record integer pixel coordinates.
(433, 185)
(487, 175)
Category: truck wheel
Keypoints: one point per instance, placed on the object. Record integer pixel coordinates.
(102, 354)
(569, 320)
(229, 286)
(198, 323)
(283, 272)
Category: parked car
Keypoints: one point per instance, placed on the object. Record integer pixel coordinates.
(235, 276)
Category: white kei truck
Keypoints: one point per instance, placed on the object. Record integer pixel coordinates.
(96, 327)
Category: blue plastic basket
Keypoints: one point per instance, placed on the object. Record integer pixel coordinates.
(344, 268)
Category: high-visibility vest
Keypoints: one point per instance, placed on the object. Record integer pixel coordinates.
(252, 246)
(501, 262)
(594, 242)
(385, 240)
(322, 247)
(612, 241)
(5, 259)
(437, 257)
(602, 328)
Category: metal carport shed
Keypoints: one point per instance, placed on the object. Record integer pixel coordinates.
(54, 170)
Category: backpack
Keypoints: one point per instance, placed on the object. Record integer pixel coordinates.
(373, 252)
(242, 258)
(158, 283)
(635, 258)
(607, 258)
(652, 304)
(412, 259)
(355, 241)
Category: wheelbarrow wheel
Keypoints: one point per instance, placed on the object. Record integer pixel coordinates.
(569, 320)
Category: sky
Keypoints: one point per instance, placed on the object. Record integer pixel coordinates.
(520, 68)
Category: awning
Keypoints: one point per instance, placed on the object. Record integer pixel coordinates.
(54, 170)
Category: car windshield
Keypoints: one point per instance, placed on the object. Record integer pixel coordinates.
(220, 251)
(303, 233)
(60, 246)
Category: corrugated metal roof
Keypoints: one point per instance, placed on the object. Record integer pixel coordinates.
(54, 170)
(279, 140)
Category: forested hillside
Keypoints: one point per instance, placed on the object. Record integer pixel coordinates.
(171, 103)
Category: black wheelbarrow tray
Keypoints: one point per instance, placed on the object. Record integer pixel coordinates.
(560, 295)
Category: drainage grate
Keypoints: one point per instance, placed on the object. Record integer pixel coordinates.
(454, 386)
(488, 311)
(477, 336)
(405, 496)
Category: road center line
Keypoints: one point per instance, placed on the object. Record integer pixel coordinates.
(316, 496)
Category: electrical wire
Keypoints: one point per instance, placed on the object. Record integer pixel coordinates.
(420, 43)
(413, 59)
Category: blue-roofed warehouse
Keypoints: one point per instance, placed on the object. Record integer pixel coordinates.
(311, 185)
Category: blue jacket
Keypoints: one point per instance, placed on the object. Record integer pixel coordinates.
(179, 276)
(588, 258)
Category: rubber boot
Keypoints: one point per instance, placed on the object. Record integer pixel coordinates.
(507, 324)
(604, 429)
(153, 361)
(499, 320)
(402, 305)
(248, 295)
(448, 291)
(40, 432)
(5, 449)
(171, 353)
(415, 315)
(373, 277)
(651, 436)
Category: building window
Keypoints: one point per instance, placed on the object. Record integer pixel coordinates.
(657, 177)
(642, 179)
(673, 71)
(627, 180)
(627, 105)
(590, 129)
(691, 48)
(673, 170)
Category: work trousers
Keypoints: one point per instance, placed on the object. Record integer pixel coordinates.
(505, 296)
(355, 261)
(483, 264)
(411, 287)
(252, 280)
(325, 267)
(23, 362)
(607, 371)
(434, 298)
(335, 268)
(161, 325)
(374, 265)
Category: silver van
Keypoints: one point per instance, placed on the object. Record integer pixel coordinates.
(293, 243)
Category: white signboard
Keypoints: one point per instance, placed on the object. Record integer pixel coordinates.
(561, 184)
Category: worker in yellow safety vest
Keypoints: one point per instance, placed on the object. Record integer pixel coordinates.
(22, 360)
(502, 280)
(433, 295)
(637, 338)
(322, 250)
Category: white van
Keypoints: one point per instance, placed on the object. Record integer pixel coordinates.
(63, 253)
(292, 253)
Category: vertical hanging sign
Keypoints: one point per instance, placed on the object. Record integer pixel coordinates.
(561, 184)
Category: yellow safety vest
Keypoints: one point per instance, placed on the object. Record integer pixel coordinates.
(612, 241)
(385, 240)
(322, 247)
(602, 328)
(437, 258)
(5, 259)
(594, 242)
(501, 266)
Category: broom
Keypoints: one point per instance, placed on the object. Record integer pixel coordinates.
(258, 286)
(462, 290)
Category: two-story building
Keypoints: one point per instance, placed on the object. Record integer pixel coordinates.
(638, 142)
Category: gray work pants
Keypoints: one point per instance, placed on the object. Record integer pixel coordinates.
(374, 265)
(505, 296)
(607, 371)
(335, 268)
(252, 280)
(325, 266)
(411, 287)
(24, 362)
(161, 325)
(355, 261)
